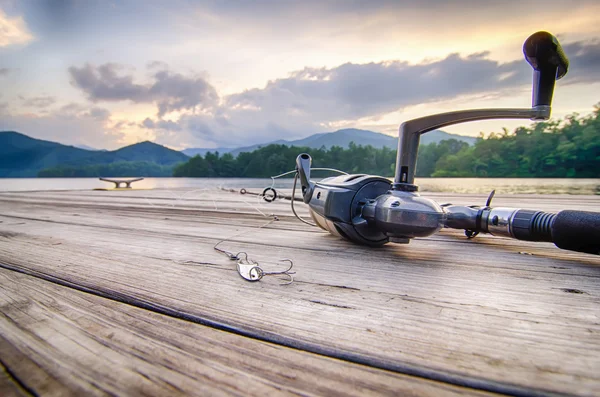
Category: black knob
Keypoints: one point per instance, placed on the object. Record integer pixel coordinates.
(546, 56)
(543, 52)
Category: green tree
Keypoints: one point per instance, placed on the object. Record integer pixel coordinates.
(560, 148)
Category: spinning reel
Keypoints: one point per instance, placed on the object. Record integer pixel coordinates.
(371, 210)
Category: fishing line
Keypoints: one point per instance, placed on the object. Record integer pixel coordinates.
(247, 268)
(250, 269)
(179, 197)
(292, 204)
(294, 189)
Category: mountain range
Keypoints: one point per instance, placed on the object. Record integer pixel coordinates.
(340, 138)
(23, 156)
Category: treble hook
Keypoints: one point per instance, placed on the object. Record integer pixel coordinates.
(284, 272)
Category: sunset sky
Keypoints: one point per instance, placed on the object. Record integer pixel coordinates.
(233, 73)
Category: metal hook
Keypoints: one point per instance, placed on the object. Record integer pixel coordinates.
(250, 270)
(285, 272)
(290, 276)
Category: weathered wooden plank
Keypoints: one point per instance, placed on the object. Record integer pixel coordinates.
(209, 198)
(9, 387)
(477, 308)
(25, 370)
(61, 341)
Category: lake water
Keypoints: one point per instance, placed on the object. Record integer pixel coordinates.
(455, 185)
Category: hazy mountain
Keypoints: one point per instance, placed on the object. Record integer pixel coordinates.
(436, 136)
(340, 138)
(143, 151)
(86, 147)
(23, 156)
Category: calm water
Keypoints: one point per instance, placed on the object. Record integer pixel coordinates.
(456, 185)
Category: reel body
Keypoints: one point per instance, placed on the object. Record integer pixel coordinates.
(364, 209)
(336, 206)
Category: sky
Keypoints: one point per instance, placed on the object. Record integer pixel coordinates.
(210, 74)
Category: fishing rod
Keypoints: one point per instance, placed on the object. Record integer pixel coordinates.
(371, 210)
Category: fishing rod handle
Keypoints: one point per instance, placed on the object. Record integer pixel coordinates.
(577, 231)
(570, 230)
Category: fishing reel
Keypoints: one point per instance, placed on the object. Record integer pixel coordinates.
(372, 210)
(365, 208)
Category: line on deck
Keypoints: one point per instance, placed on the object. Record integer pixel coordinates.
(310, 347)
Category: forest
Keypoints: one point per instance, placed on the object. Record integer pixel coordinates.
(561, 148)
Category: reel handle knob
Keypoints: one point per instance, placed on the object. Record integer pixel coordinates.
(544, 53)
(542, 50)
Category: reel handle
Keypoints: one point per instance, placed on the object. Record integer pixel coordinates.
(549, 62)
(544, 53)
(303, 163)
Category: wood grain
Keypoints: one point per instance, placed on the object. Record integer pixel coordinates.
(60, 341)
(9, 387)
(491, 310)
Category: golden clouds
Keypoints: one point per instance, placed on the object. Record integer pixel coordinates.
(13, 31)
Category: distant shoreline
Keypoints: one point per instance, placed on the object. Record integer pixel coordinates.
(575, 186)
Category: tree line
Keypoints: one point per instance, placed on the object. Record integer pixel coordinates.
(567, 148)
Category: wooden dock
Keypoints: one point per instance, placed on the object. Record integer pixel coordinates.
(121, 293)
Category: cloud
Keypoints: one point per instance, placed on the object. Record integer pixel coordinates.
(168, 125)
(375, 18)
(40, 101)
(72, 124)
(71, 110)
(584, 59)
(4, 71)
(360, 90)
(75, 110)
(352, 91)
(99, 114)
(157, 65)
(148, 123)
(13, 31)
(169, 91)
(310, 100)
